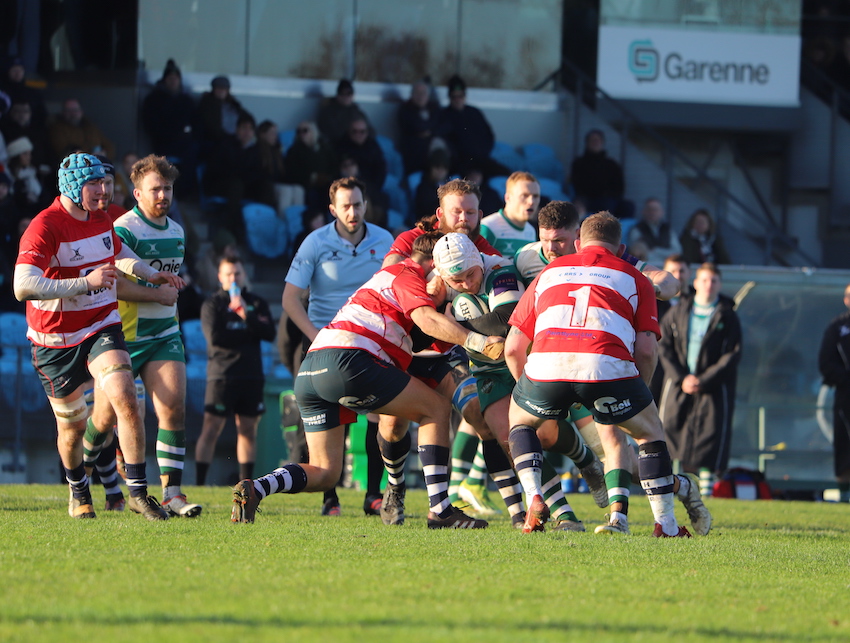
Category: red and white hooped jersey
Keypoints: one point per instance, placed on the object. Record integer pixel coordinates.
(64, 248)
(583, 313)
(376, 318)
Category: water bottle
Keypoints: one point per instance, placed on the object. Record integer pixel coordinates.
(235, 290)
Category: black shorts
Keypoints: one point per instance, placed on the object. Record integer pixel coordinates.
(841, 434)
(241, 397)
(63, 370)
(335, 383)
(433, 370)
(609, 402)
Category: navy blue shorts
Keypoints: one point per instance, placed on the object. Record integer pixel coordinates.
(609, 402)
(335, 383)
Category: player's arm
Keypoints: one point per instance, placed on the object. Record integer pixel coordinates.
(30, 282)
(392, 258)
(493, 323)
(448, 330)
(130, 263)
(516, 351)
(130, 290)
(646, 354)
(294, 307)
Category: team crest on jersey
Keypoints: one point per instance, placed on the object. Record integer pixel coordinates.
(107, 241)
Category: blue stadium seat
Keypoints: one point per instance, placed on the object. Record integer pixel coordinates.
(395, 166)
(395, 220)
(413, 181)
(13, 338)
(294, 221)
(396, 194)
(552, 189)
(542, 162)
(194, 340)
(507, 156)
(498, 183)
(287, 138)
(267, 235)
(196, 384)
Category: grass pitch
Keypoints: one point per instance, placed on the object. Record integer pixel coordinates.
(768, 571)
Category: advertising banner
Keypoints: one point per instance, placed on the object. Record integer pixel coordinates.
(651, 63)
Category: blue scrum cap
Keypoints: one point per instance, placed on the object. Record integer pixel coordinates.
(75, 171)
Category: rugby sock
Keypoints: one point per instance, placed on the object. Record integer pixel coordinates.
(656, 477)
(290, 478)
(107, 470)
(619, 483)
(170, 456)
(246, 470)
(374, 462)
(201, 469)
(503, 475)
(93, 441)
(527, 454)
(571, 445)
(706, 482)
(464, 449)
(394, 456)
(137, 481)
(478, 472)
(684, 486)
(435, 466)
(553, 494)
(79, 482)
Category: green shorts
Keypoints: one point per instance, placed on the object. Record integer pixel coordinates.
(493, 386)
(577, 412)
(166, 349)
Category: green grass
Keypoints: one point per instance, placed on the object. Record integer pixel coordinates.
(769, 571)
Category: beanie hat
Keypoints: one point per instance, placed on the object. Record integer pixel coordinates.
(75, 171)
(344, 87)
(455, 253)
(220, 82)
(171, 68)
(19, 146)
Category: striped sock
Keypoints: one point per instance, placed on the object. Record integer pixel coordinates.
(170, 456)
(93, 441)
(478, 472)
(656, 478)
(435, 466)
(619, 483)
(571, 445)
(464, 449)
(394, 455)
(137, 480)
(79, 482)
(503, 475)
(527, 453)
(706, 482)
(553, 494)
(107, 469)
(290, 478)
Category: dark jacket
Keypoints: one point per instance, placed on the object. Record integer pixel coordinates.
(169, 121)
(699, 427)
(233, 344)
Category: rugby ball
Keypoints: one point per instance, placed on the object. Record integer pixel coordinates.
(466, 306)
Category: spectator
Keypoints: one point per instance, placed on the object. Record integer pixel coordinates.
(311, 163)
(701, 242)
(9, 217)
(218, 114)
(168, 114)
(234, 321)
(834, 366)
(425, 201)
(509, 229)
(417, 118)
(467, 133)
(681, 271)
(73, 130)
(700, 349)
(29, 195)
(653, 232)
(337, 113)
(286, 193)
(17, 123)
(14, 84)
(598, 179)
(491, 201)
(360, 145)
(123, 192)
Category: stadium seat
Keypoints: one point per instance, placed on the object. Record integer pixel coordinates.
(413, 181)
(194, 340)
(552, 189)
(13, 337)
(294, 221)
(206, 202)
(395, 166)
(395, 220)
(396, 194)
(542, 162)
(507, 156)
(498, 183)
(267, 235)
(196, 384)
(287, 138)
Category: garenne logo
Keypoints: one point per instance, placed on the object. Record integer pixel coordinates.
(643, 60)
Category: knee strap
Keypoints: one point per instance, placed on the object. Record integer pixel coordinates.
(70, 412)
(466, 391)
(112, 370)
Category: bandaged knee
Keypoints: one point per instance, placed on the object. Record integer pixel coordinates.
(113, 369)
(70, 412)
(466, 392)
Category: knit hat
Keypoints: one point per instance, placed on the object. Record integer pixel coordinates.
(456, 84)
(455, 253)
(19, 146)
(75, 171)
(344, 87)
(171, 68)
(220, 82)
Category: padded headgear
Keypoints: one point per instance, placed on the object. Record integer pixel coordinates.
(455, 253)
(75, 171)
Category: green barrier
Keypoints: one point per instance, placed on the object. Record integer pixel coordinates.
(271, 447)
